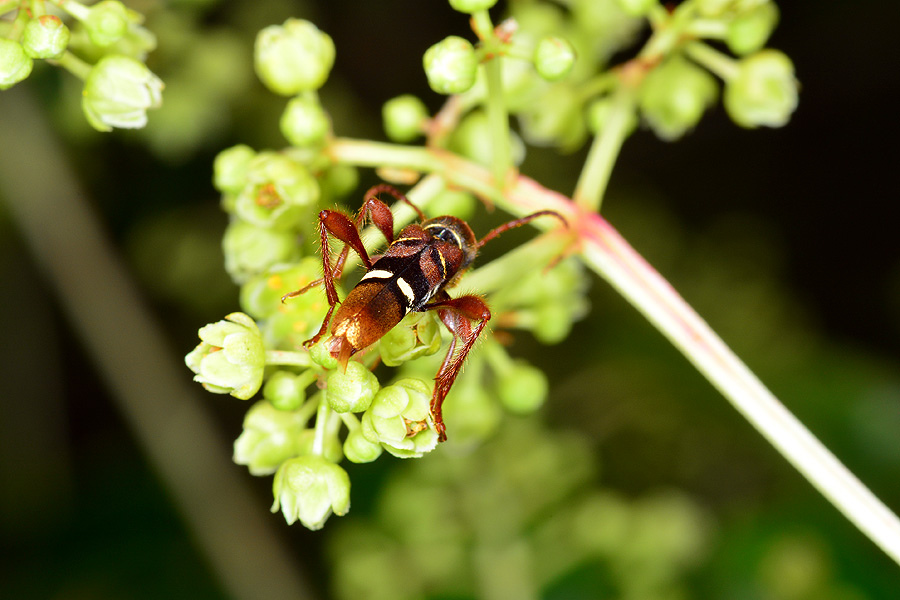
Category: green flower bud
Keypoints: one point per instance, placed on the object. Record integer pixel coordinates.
(418, 334)
(261, 295)
(471, 414)
(750, 30)
(309, 489)
(636, 8)
(553, 58)
(279, 191)
(598, 114)
(555, 118)
(471, 6)
(522, 388)
(764, 91)
(351, 390)
(304, 122)
(15, 64)
(553, 320)
(451, 65)
(404, 118)
(358, 449)
(674, 96)
(45, 37)
(230, 168)
(250, 250)
(117, 93)
(473, 139)
(287, 391)
(453, 202)
(338, 180)
(107, 21)
(270, 437)
(321, 355)
(231, 357)
(399, 418)
(294, 57)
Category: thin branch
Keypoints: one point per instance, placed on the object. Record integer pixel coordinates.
(607, 253)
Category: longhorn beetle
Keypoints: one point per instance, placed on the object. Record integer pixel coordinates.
(411, 275)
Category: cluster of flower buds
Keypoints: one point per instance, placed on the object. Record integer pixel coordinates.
(559, 100)
(106, 47)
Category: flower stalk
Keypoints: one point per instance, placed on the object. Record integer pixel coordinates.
(605, 252)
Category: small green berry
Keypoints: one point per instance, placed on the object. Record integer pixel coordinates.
(118, 91)
(304, 122)
(269, 438)
(451, 65)
(310, 489)
(764, 91)
(45, 37)
(471, 6)
(351, 390)
(294, 57)
(231, 357)
(674, 97)
(230, 168)
(749, 31)
(554, 58)
(404, 118)
(15, 64)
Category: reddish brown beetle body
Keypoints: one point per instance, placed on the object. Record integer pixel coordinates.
(411, 275)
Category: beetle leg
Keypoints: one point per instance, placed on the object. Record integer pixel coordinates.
(457, 314)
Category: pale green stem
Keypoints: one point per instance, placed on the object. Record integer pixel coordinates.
(288, 358)
(350, 420)
(74, 65)
(322, 414)
(715, 29)
(77, 10)
(604, 151)
(721, 64)
(607, 253)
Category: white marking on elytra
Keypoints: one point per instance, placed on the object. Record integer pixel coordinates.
(377, 274)
(406, 289)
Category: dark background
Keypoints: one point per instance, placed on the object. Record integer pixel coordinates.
(803, 218)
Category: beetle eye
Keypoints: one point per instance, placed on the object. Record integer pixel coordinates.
(443, 234)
